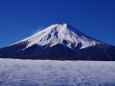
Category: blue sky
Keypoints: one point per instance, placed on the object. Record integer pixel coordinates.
(22, 18)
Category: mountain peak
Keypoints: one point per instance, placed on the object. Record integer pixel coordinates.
(62, 34)
(60, 25)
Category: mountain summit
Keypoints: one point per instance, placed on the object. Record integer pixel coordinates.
(62, 34)
(59, 42)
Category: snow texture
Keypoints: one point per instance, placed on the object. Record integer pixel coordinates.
(56, 73)
(60, 34)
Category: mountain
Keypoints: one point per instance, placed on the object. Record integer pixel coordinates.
(59, 42)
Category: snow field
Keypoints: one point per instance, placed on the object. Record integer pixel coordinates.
(15, 72)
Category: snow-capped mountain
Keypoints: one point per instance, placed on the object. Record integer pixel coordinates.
(59, 41)
(60, 34)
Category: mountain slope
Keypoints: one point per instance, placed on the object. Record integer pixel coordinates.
(59, 42)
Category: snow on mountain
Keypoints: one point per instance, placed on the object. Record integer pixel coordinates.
(60, 34)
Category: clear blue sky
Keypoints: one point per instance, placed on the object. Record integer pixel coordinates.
(22, 18)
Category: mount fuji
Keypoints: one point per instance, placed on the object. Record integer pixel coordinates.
(59, 42)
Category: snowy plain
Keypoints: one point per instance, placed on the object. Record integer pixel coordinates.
(15, 72)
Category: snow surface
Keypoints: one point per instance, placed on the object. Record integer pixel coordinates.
(56, 73)
(57, 34)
